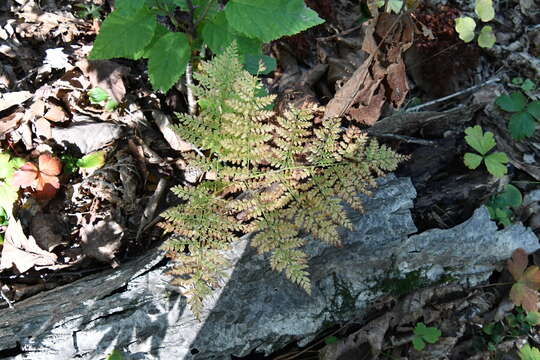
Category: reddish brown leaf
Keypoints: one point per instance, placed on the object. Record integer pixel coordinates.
(531, 277)
(49, 165)
(518, 263)
(521, 294)
(25, 176)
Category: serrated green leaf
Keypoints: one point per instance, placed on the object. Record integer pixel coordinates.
(218, 35)
(472, 161)
(168, 59)
(533, 108)
(517, 81)
(270, 20)
(479, 141)
(97, 95)
(465, 26)
(486, 39)
(123, 36)
(528, 85)
(484, 10)
(521, 125)
(129, 6)
(533, 318)
(394, 6)
(529, 353)
(418, 343)
(496, 163)
(252, 62)
(92, 161)
(513, 102)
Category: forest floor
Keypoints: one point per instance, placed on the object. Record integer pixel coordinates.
(419, 93)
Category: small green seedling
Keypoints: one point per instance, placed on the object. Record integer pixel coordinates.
(330, 340)
(529, 353)
(88, 10)
(423, 334)
(499, 206)
(466, 25)
(88, 162)
(483, 143)
(99, 96)
(524, 84)
(524, 113)
(115, 355)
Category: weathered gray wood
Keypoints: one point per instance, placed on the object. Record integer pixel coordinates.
(257, 309)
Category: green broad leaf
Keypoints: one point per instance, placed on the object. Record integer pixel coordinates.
(521, 125)
(513, 102)
(8, 196)
(528, 85)
(484, 10)
(533, 108)
(533, 318)
(6, 170)
(168, 59)
(501, 216)
(158, 34)
(472, 161)
(129, 6)
(219, 35)
(124, 36)
(486, 39)
(97, 95)
(270, 20)
(465, 26)
(479, 141)
(496, 164)
(17, 162)
(529, 353)
(69, 164)
(418, 343)
(252, 63)
(111, 105)
(394, 6)
(92, 161)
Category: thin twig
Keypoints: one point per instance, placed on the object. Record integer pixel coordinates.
(192, 104)
(407, 139)
(150, 209)
(448, 97)
(10, 304)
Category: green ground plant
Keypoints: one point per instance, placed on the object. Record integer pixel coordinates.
(483, 143)
(280, 177)
(528, 352)
(423, 335)
(133, 31)
(101, 97)
(525, 113)
(500, 205)
(466, 25)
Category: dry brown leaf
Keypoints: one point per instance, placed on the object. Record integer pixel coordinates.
(55, 113)
(9, 123)
(165, 126)
(106, 75)
(524, 291)
(22, 252)
(7, 100)
(46, 230)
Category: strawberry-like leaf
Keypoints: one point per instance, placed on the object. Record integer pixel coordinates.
(518, 263)
(524, 291)
(49, 165)
(44, 180)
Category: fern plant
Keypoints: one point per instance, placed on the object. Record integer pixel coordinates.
(281, 176)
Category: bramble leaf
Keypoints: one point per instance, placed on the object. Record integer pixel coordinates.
(514, 102)
(484, 10)
(496, 163)
(168, 59)
(472, 161)
(270, 20)
(124, 36)
(97, 95)
(521, 125)
(465, 27)
(486, 39)
(479, 141)
(533, 108)
(518, 263)
(524, 291)
(92, 161)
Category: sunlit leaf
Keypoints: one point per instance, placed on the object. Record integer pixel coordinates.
(486, 39)
(465, 27)
(484, 10)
